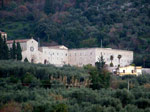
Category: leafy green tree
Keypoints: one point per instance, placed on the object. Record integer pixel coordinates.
(102, 80)
(60, 108)
(49, 7)
(125, 96)
(30, 80)
(142, 103)
(100, 77)
(95, 108)
(19, 51)
(131, 108)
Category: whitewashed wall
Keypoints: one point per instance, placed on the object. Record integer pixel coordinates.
(126, 59)
(58, 57)
(80, 57)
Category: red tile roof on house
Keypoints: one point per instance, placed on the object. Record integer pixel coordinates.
(20, 41)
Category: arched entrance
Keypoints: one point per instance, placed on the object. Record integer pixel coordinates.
(32, 60)
(45, 61)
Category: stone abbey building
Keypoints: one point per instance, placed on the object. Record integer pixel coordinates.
(61, 55)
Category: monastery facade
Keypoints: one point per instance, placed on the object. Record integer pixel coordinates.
(61, 55)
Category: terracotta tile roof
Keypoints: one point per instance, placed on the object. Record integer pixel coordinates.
(20, 41)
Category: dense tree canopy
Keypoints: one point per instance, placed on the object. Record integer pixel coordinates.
(28, 87)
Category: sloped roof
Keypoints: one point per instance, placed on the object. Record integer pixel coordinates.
(20, 41)
(58, 47)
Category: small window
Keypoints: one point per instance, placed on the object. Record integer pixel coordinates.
(132, 71)
(123, 71)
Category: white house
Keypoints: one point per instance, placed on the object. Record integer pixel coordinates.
(130, 70)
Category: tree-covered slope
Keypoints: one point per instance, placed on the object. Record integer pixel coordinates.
(123, 24)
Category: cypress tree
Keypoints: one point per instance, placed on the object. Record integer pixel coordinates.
(1, 47)
(5, 50)
(14, 50)
(19, 52)
(11, 53)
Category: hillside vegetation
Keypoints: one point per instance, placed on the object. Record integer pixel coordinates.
(26, 87)
(123, 24)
